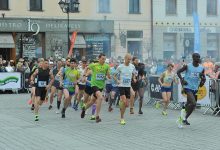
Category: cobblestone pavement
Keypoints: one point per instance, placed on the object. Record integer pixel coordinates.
(151, 131)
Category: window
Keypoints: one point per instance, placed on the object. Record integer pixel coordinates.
(35, 5)
(73, 7)
(4, 5)
(212, 7)
(171, 7)
(191, 6)
(104, 6)
(188, 44)
(212, 45)
(134, 34)
(169, 45)
(134, 6)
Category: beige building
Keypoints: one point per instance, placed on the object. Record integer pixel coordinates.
(173, 28)
(38, 28)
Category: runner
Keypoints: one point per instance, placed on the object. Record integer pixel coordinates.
(33, 86)
(125, 72)
(43, 75)
(134, 85)
(166, 79)
(56, 85)
(69, 79)
(99, 72)
(193, 79)
(142, 83)
(88, 93)
(114, 91)
(81, 85)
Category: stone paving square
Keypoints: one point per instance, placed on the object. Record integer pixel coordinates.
(151, 131)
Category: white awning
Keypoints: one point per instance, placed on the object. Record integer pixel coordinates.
(80, 42)
(6, 41)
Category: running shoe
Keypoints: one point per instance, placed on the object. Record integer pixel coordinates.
(185, 122)
(92, 117)
(164, 113)
(131, 110)
(157, 106)
(83, 113)
(180, 122)
(122, 122)
(140, 112)
(36, 118)
(98, 119)
(50, 107)
(57, 111)
(63, 113)
(110, 109)
(32, 107)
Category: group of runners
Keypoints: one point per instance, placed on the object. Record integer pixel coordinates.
(124, 81)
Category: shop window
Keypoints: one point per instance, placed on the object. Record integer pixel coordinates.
(212, 45)
(134, 6)
(134, 34)
(35, 5)
(4, 5)
(134, 48)
(72, 7)
(171, 7)
(188, 44)
(104, 6)
(212, 7)
(29, 46)
(169, 41)
(191, 7)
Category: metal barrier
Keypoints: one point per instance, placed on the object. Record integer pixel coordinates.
(214, 96)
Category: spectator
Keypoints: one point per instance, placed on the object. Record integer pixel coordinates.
(2, 65)
(9, 68)
(209, 66)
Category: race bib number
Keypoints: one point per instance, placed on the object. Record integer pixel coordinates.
(195, 74)
(100, 76)
(42, 83)
(126, 81)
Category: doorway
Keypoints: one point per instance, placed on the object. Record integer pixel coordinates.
(5, 53)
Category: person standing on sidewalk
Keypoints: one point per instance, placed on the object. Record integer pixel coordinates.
(193, 79)
(42, 86)
(125, 72)
(99, 72)
(166, 79)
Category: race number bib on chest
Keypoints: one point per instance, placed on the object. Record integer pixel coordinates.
(194, 74)
(42, 83)
(100, 76)
(126, 80)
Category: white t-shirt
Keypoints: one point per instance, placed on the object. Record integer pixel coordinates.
(125, 74)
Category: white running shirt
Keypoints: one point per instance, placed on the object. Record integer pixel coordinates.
(125, 74)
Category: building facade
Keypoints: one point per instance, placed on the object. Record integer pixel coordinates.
(173, 28)
(38, 28)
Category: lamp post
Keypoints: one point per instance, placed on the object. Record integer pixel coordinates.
(68, 6)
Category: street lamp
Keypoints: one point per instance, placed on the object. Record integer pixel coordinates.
(68, 6)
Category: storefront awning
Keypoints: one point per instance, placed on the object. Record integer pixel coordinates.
(6, 41)
(80, 42)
